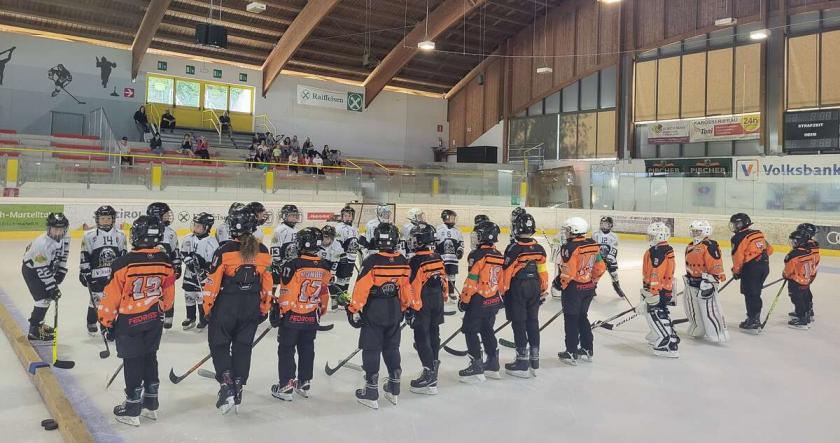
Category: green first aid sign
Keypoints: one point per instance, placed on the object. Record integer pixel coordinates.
(26, 217)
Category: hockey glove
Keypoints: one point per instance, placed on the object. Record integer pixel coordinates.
(460, 253)
(355, 319)
(83, 279)
(108, 333)
(54, 294)
(59, 277)
(263, 318)
(274, 316)
(542, 298)
(736, 275)
(463, 306)
(410, 317)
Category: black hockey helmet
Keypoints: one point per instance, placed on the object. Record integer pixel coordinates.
(487, 233)
(290, 214)
(808, 228)
(234, 206)
(739, 221)
(241, 222)
(606, 224)
(449, 217)
(386, 236)
(479, 219)
(799, 238)
(58, 221)
(204, 219)
(349, 211)
(517, 211)
(147, 231)
(328, 232)
(421, 236)
(160, 210)
(105, 211)
(259, 211)
(524, 226)
(309, 240)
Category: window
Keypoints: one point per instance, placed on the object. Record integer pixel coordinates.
(240, 99)
(215, 96)
(589, 92)
(805, 23)
(552, 103)
(535, 109)
(570, 98)
(608, 87)
(187, 93)
(159, 90)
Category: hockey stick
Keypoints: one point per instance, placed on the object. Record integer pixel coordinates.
(458, 353)
(117, 372)
(331, 371)
(510, 344)
(773, 305)
(107, 352)
(175, 379)
(323, 328)
(60, 364)
(606, 322)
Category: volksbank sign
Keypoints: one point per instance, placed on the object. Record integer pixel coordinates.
(346, 101)
(800, 170)
(797, 166)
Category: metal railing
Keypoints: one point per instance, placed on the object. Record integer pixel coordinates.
(263, 121)
(99, 124)
(154, 115)
(529, 155)
(208, 115)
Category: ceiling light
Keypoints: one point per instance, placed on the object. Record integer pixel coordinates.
(760, 34)
(610, 1)
(255, 7)
(426, 45)
(727, 21)
(545, 70)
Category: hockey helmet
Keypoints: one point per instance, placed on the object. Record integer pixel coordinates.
(658, 232)
(416, 216)
(449, 217)
(384, 213)
(290, 215)
(386, 236)
(309, 240)
(348, 215)
(105, 211)
(147, 232)
(328, 234)
(524, 226)
(699, 230)
(739, 221)
(606, 224)
(575, 227)
(259, 211)
(241, 222)
(808, 228)
(205, 220)
(160, 210)
(421, 236)
(487, 233)
(57, 225)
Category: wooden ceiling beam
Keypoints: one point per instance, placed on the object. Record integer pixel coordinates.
(146, 32)
(305, 22)
(439, 20)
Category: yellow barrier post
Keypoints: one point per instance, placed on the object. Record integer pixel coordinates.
(269, 181)
(435, 186)
(157, 177)
(12, 166)
(523, 193)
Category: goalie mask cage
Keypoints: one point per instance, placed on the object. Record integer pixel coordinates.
(367, 211)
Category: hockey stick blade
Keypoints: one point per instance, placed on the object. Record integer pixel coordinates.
(206, 373)
(323, 328)
(449, 313)
(455, 352)
(507, 343)
(104, 354)
(174, 378)
(64, 364)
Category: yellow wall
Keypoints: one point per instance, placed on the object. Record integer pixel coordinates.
(190, 117)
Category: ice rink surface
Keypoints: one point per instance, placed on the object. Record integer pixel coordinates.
(780, 386)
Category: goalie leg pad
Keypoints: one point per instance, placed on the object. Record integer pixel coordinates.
(660, 326)
(711, 317)
(691, 305)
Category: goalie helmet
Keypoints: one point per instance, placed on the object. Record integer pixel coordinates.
(147, 231)
(160, 210)
(348, 214)
(658, 232)
(386, 236)
(105, 211)
(524, 226)
(699, 230)
(606, 224)
(309, 240)
(383, 213)
(575, 227)
(739, 221)
(487, 233)
(416, 216)
(421, 236)
(290, 215)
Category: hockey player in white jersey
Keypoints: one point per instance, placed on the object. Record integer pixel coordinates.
(347, 236)
(609, 250)
(450, 246)
(283, 245)
(331, 253)
(100, 247)
(44, 268)
(383, 215)
(197, 249)
(223, 230)
(170, 246)
(262, 216)
(415, 217)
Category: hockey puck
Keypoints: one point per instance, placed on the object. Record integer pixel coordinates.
(49, 424)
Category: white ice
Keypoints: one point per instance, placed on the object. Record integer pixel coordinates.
(780, 386)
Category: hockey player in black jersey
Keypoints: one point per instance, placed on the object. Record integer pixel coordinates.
(170, 246)
(44, 268)
(100, 247)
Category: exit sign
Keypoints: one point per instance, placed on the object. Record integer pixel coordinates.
(162, 65)
(217, 73)
(190, 69)
(243, 77)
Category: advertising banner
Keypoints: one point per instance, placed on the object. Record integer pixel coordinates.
(639, 225)
(345, 101)
(711, 129)
(16, 217)
(812, 130)
(697, 167)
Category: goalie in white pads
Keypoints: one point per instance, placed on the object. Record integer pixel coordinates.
(704, 271)
(347, 236)
(450, 246)
(658, 285)
(100, 247)
(609, 250)
(383, 215)
(197, 249)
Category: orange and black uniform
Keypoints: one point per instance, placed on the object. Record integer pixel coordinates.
(381, 294)
(302, 297)
(524, 280)
(237, 297)
(141, 289)
(751, 263)
(658, 272)
(428, 282)
(482, 299)
(580, 267)
(703, 258)
(801, 265)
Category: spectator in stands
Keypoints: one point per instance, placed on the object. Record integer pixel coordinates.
(156, 144)
(125, 152)
(306, 161)
(286, 147)
(307, 145)
(224, 119)
(317, 161)
(269, 139)
(293, 161)
(295, 145)
(276, 154)
(251, 158)
(187, 144)
(142, 122)
(167, 120)
(202, 149)
(325, 154)
(335, 157)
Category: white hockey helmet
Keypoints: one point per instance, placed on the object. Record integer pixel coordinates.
(699, 229)
(416, 216)
(658, 232)
(575, 226)
(383, 213)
